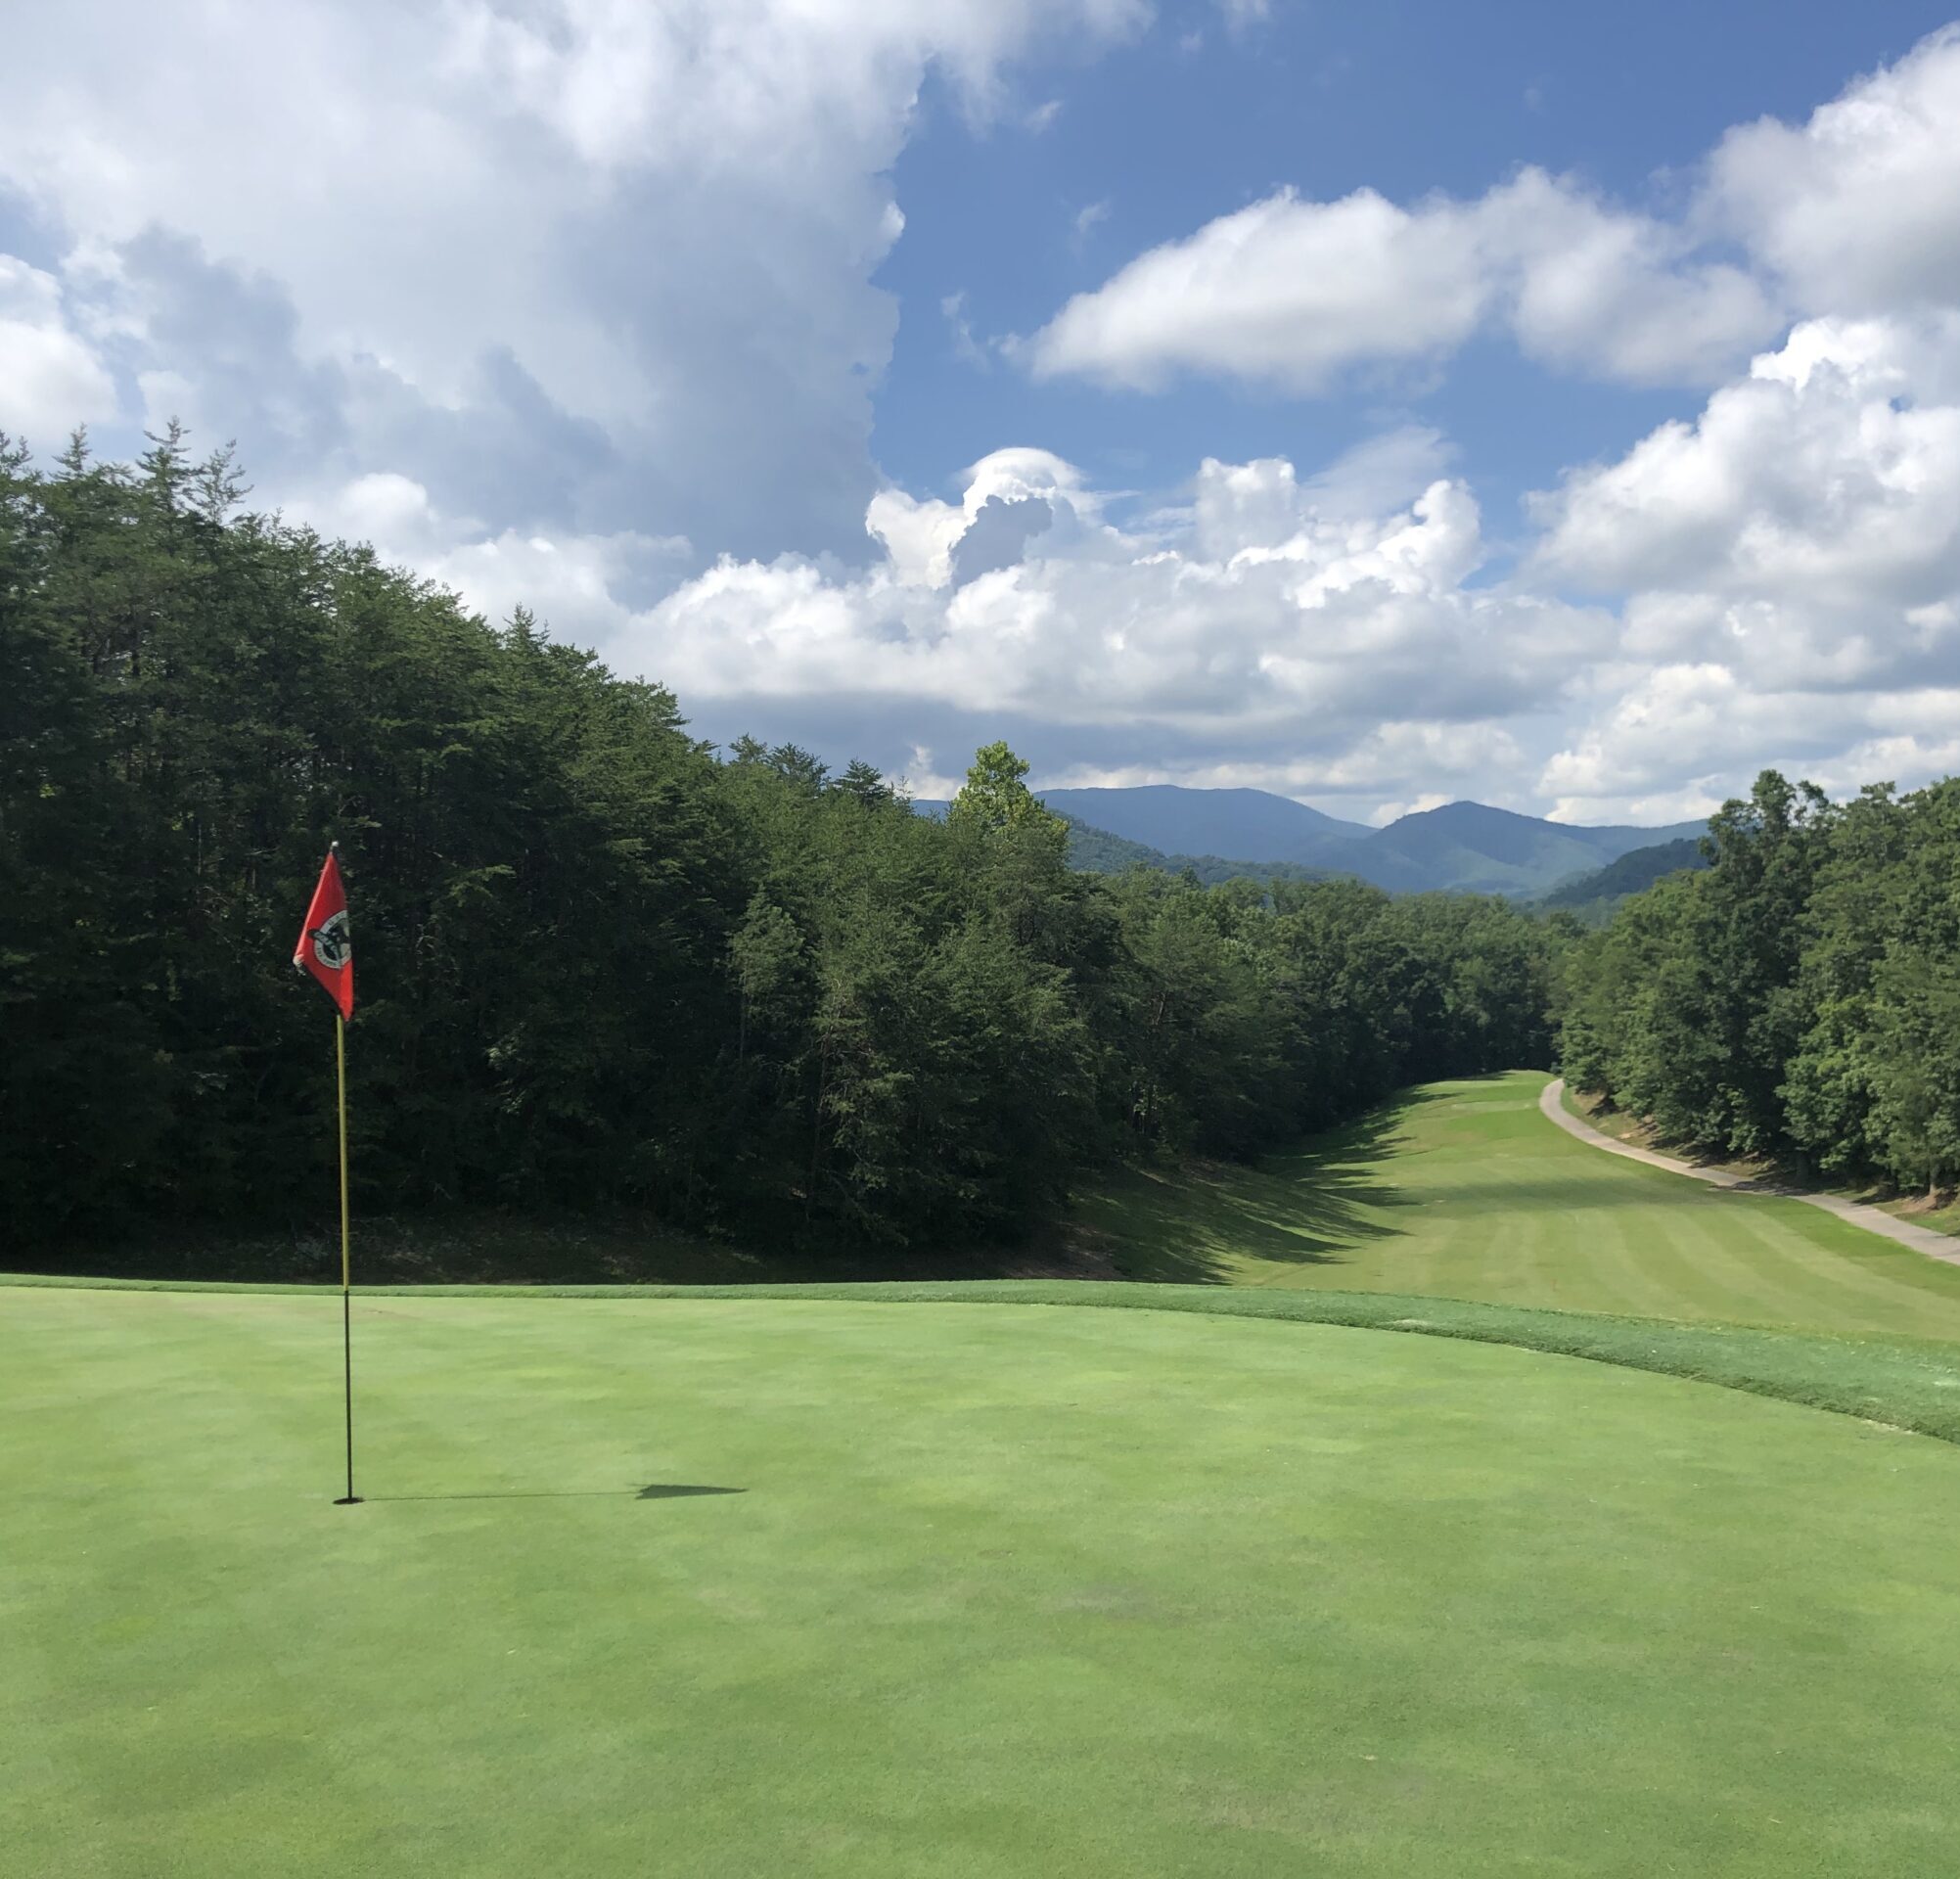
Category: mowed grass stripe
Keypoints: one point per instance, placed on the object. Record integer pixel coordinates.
(1464, 1190)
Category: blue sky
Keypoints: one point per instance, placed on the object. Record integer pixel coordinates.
(1381, 405)
(1405, 97)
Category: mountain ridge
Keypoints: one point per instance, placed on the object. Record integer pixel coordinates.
(1254, 824)
(1462, 846)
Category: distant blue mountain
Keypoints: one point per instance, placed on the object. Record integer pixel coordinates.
(1250, 823)
(1463, 847)
(1478, 850)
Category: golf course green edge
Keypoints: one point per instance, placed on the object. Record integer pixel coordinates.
(1900, 1384)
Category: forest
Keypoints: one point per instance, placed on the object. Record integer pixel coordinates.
(1799, 1000)
(600, 962)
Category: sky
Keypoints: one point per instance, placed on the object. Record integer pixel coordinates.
(1381, 405)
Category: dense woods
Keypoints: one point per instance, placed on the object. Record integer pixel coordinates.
(598, 961)
(1799, 999)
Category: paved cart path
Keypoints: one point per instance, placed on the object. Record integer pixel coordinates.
(1922, 1239)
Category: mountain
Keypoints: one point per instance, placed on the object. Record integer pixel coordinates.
(1474, 848)
(1465, 847)
(1593, 896)
(1098, 852)
(1253, 823)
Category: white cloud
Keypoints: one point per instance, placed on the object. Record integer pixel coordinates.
(51, 379)
(1256, 633)
(1330, 636)
(1589, 289)
(1807, 524)
(1285, 291)
(589, 266)
(1784, 568)
(582, 580)
(1856, 212)
(572, 305)
(1296, 293)
(919, 537)
(1789, 564)
(1860, 208)
(1687, 736)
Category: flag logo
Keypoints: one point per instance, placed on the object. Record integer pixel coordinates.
(331, 945)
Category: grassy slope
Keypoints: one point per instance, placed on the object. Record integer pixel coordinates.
(1005, 1591)
(1463, 1190)
(1624, 1127)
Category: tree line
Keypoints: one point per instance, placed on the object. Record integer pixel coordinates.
(1799, 999)
(599, 960)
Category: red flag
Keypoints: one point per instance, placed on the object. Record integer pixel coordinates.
(324, 950)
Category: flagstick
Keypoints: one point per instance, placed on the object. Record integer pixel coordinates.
(351, 1498)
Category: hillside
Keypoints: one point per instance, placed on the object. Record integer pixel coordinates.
(1594, 896)
(1098, 852)
(1474, 848)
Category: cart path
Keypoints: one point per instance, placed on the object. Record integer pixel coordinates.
(1922, 1239)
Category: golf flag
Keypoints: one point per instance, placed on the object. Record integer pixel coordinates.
(324, 950)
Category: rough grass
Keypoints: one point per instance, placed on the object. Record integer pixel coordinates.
(727, 1587)
(1940, 1211)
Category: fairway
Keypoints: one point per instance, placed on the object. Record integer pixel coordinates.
(1000, 1591)
(1464, 1190)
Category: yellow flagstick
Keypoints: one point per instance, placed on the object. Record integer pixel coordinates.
(351, 1498)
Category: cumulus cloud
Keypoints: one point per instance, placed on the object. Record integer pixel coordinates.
(589, 582)
(1297, 293)
(570, 305)
(1283, 291)
(1267, 629)
(583, 265)
(1856, 212)
(1808, 521)
(1789, 564)
(50, 378)
(1859, 209)
(1687, 736)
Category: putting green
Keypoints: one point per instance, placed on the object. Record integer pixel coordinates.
(1004, 1592)
(1465, 1191)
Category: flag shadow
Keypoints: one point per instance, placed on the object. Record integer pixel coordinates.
(654, 1491)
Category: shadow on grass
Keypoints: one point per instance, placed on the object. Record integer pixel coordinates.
(483, 1246)
(1314, 1207)
(654, 1491)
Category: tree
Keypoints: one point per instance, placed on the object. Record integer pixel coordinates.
(997, 796)
(864, 783)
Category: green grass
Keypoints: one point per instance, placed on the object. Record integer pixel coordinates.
(1622, 1128)
(860, 1580)
(1002, 1592)
(1911, 1384)
(1464, 1191)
